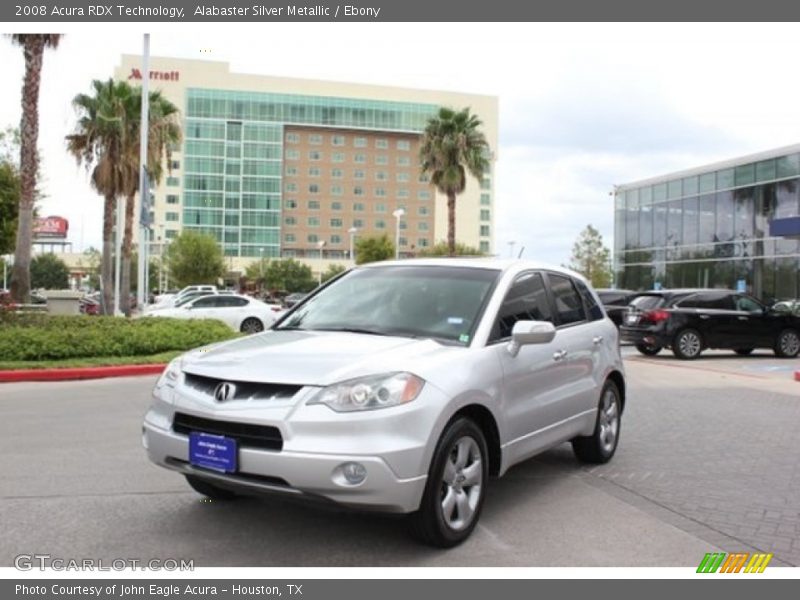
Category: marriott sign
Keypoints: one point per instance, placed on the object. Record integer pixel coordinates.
(157, 75)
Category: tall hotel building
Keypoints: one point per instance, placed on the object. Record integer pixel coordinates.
(273, 166)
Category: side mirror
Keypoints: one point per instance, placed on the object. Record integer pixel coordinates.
(530, 332)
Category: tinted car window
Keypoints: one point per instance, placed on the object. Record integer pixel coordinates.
(232, 301)
(708, 301)
(746, 304)
(647, 302)
(208, 302)
(569, 306)
(526, 300)
(595, 312)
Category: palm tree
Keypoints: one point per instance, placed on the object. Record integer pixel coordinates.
(452, 146)
(33, 46)
(101, 143)
(163, 133)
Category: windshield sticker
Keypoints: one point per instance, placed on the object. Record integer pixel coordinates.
(463, 338)
(455, 320)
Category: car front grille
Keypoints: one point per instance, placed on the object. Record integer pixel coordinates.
(245, 390)
(247, 435)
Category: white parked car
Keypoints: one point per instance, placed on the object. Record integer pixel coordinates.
(242, 313)
(399, 387)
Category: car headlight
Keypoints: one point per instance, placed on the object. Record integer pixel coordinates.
(171, 374)
(369, 393)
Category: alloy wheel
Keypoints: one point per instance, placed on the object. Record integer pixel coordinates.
(609, 420)
(790, 343)
(462, 483)
(689, 344)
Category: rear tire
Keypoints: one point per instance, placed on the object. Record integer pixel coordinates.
(788, 344)
(209, 489)
(648, 350)
(744, 351)
(456, 487)
(688, 344)
(252, 325)
(600, 447)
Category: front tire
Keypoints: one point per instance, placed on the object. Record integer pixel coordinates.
(209, 489)
(600, 447)
(788, 344)
(454, 492)
(252, 325)
(648, 350)
(688, 344)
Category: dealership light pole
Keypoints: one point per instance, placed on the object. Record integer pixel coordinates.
(352, 231)
(144, 187)
(511, 245)
(398, 214)
(321, 245)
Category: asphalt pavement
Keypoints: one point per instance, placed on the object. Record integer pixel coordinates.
(707, 462)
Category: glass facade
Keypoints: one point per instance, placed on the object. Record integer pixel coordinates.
(234, 157)
(711, 230)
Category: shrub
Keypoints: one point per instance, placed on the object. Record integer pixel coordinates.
(45, 337)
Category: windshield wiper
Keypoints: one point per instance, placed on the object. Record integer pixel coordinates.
(351, 330)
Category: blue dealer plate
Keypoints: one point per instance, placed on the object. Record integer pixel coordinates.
(212, 452)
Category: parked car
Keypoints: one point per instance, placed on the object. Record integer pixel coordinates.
(787, 306)
(689, 321)
(292, 299)
(616, 303)
(244, 314)
(400, 387)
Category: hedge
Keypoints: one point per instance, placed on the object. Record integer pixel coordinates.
(45, 337)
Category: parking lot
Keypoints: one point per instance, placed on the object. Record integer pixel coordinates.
(707, 461)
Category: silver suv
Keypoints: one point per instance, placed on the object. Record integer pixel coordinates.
(398, 387)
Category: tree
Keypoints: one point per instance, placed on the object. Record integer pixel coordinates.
(332, 271)
(91, 263)
(374, 249)
(100, 142)
(443, 249)
(287, 275)
(33, 46)
(194, 258)
(452, 146)
(9, 206)
(49, 272)
(591, 258)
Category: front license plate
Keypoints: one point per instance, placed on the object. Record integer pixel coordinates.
(215, 452)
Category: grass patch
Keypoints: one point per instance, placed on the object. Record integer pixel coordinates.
(103, 361)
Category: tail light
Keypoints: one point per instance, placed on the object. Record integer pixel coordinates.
(655, 316)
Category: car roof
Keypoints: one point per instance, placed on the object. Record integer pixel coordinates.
(685, 291)
(476, 262)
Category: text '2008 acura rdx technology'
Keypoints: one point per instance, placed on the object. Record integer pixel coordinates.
(399, 387)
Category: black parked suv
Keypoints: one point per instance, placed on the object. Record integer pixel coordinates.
(689, 321)
(616, 303)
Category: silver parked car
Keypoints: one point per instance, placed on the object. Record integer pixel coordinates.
(399, 387)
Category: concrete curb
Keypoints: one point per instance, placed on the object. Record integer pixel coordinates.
(69, 374)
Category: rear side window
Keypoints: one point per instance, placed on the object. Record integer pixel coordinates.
(595, 312)
(708, 301)
(568, 303)
(526, 300)
(209, 302)
(648, 302)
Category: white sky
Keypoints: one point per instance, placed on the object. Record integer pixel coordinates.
(582, 106)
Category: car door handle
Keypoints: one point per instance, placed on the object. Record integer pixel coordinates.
(704, 316)
(559, 355)
(596, 340)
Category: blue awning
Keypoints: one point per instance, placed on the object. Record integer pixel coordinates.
(788, 227)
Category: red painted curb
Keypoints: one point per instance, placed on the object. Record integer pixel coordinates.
(797, 375)
(79, 373)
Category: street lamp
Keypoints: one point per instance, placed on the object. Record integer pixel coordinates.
(511, 249)
(320, 245)
(397, 214)
(352, 231)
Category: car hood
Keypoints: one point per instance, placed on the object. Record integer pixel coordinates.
(314, 357)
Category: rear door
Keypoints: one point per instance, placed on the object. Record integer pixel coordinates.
(752, 327)
(713, 315)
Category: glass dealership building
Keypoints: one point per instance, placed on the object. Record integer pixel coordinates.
(712, 226)
(278, 167)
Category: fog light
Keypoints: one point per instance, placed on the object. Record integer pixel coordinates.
(354, 473)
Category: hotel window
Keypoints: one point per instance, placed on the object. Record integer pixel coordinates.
(424, 195)
(403, 224)
(484, 247)
(424, 178)
(380, 192)
(336, 206)
(312, 238)
(485, 215)
(403, 161)
(172, 199)
(358, 191)
(486, 199)
(358, 223)
(313, 205)
(172, 216)
(291, 187)
(336, 190)
(403, 145)
(486, 183)
(358, 207)
(403, 241)
(291, 203)
(313, 221)
(380, 176)
(422, 242)
(337, 157)
(175, 165)
(173, 181)
(289, 238)
(337, 173)
(292, 138)
(336, 223)
(381, 143)
(422, 211)
(402, 193)
(422, 226)
(313, 188)
(358, 174)
(381, 159)
(484, 231)
(360, 158)
(315, 155)
(402, 177)
(171, 234)
(338, 140)
(291, 221)
(292, 154)
(336, 239)
(291, 171)
(360, 142)
(380, 208)
(315, 139)
(313, 172)
(380, 224)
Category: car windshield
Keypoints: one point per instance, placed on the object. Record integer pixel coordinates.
(444, 302)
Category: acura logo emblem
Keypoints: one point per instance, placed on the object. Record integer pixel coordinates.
(224, 391)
